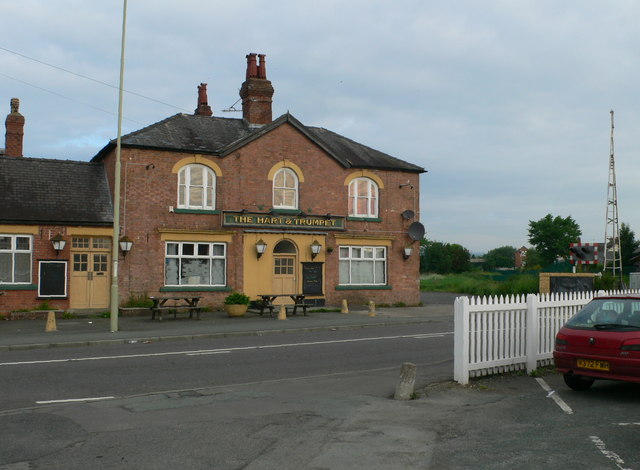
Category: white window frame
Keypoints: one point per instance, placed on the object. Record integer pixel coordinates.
(372, 195)
(210, 257)
(13, 251)
(292, 174)
(351, 254)
(208, 188)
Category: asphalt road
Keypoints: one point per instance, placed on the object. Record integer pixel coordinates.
(308, 401)
(34, 376)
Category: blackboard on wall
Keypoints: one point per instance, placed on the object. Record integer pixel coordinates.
(570, 284)
(312, 278)
(52, 279)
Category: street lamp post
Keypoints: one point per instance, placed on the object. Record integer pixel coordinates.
(116, 186)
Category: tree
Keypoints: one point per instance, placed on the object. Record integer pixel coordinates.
(502, 257)
(443, 258)
(460, 257)
(532, 260)
(628, 244)
(551, 236)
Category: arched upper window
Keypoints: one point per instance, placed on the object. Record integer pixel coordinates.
(285, 189)
(196, 187)
(363, 198)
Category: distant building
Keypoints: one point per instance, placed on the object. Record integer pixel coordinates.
(521, 257)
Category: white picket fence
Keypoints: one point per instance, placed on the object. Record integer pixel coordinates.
(501, 334)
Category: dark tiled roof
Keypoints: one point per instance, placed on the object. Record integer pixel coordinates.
(358, 155)
(220, 136)
(35, 190)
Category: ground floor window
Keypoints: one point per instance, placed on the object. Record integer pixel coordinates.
(363, 265)
(15, 259)
(195, 264)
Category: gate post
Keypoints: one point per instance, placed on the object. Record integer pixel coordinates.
(532, 332)
(461, 340)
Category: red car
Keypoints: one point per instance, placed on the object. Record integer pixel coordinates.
(601, 341)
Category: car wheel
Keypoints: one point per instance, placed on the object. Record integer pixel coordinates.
(577, 382)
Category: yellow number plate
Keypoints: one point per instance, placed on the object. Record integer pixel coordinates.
(591, 364)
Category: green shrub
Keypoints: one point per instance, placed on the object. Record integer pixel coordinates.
(138, 301)
(236, 298)
(481, 284)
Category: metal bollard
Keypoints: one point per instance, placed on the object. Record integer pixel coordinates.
(345, 306)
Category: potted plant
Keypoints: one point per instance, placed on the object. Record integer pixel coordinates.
(236, 304)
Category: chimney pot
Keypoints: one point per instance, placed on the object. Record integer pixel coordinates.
(252, 69)
(203, 108)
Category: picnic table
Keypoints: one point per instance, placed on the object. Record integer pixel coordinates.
(266, 302)
(176, 303)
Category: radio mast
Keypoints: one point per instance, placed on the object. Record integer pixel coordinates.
(612, 253)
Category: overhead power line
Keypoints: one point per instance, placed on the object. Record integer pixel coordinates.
(65, 97)
(85, 77)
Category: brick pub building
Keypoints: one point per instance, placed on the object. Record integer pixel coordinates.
(262, 206)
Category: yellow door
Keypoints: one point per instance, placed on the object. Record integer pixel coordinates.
(284, 277)
(90, 272)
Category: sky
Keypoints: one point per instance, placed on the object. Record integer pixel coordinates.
(506, 104)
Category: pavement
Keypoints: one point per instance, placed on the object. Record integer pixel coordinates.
(92, 331)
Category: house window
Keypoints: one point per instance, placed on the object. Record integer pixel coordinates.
(15, 259)
(196, 187)
(363, 198)
(195, 264)
(363, 265)
(285, 189)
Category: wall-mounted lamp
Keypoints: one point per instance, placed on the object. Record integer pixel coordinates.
(406, 252)
(261, 247)
(125, 245)
(58, 243)
(315, 249)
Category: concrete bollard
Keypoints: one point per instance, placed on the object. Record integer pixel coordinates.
(51, 322)
(345, 306)
(372, 308)
(405, 387)
(282, 314)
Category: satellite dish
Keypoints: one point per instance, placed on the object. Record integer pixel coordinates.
(408, 214)
(416, 231)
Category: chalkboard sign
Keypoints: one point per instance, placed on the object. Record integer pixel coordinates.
(570, 283)
(312, 278)
(53, 279)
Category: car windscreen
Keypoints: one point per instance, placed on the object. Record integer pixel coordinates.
(601, 314)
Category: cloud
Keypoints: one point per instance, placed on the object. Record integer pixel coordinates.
(506, 104)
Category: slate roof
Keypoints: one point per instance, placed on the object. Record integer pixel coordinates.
(221, 136)
(44, 191)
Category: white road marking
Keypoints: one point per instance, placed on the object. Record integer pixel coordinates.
(225, 350)
(626, 424)
(615, 458)
(72, 400)
(554, 396)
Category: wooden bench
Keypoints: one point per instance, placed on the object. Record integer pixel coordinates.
(175, 309)
(267, 300)
(178, 303)
(302, 305)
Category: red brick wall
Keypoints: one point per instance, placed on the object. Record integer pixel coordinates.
(147, 193)
(14, 299)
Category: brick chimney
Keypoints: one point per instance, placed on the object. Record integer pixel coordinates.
(256, 92)
(203, 108)
(15, 131)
